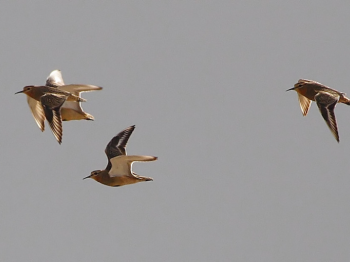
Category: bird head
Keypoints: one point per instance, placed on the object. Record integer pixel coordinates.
(301, 83)
(93, 174)
(25, 90)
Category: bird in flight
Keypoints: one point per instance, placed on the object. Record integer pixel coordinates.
(57, 102)
(119, 168)
(49, 101)
(326, 99)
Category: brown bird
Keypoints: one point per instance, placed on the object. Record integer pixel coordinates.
(70, 110)
(326, 100)
(49, 102)
(119, 168)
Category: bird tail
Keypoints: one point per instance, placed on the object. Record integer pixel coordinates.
(344, 99)
(75, 98)
(347, 102)
(80, 99)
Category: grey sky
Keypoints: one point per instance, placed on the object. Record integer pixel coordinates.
(241, 174)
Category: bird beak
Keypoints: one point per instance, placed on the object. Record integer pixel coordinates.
(290, 89)
(19, 92)
(87, 177)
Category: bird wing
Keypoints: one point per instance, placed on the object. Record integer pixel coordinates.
(37, 112)
(326, 103)
(77, 89)
(122, 165)
(51, 104)
(304, 103)
(55, 79)
(117, 145)
(72, 110)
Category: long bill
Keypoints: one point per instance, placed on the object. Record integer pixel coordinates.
(19, 92)
(87, 177)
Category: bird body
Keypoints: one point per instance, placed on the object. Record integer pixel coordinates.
(121, 173)
(310, 89)
(36, 92)
(119, 168)
(326, 99)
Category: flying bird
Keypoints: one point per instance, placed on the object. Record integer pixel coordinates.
(55, 102)
(70, 110)
(48, 103)
(119, 168)
(326, 100)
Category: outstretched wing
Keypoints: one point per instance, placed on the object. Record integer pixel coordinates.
(51, 104)
(76, 89)
(304, 103)
(121, 165)
(37, 112)
(117, 145)
(326, 103)
(73, 110)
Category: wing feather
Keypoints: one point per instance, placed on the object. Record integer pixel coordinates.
(55, 79)
(122, 165)
(326, 103)
(117, 145)
(52, 106)
(304, 103)
(37, 112)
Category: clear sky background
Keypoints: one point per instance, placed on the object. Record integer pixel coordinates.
(241, 174)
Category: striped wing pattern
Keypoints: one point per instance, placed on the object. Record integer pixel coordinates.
(326, 103)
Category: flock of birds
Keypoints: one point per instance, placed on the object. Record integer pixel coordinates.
(57, 102)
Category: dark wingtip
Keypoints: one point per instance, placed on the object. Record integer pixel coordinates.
(130, 127)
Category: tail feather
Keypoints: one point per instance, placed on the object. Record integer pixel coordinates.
(347, 102)
(344, 99)
(75, 98)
